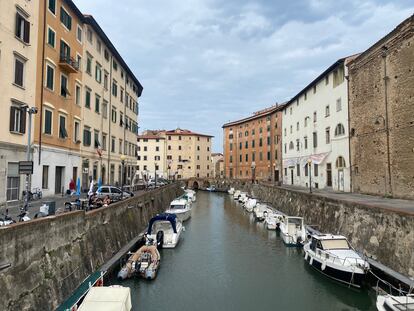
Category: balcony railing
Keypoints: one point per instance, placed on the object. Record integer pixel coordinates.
(68, 63)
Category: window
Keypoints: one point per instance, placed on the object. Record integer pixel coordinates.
(240, 158)
(179, 147)
(231, 159)
(291, 129)
(327, 111)
(87, 136)
(306, 96)
(328, 135)
(120, 148)
(98, 73)
(340, 162)
(268, 156)
(121, 95)
(338, 104)
(114, 65)
(89, 35)
(88, 98)
(113, 115)
(338, 76)
(306, 142)
(285, 131)
(106, 80)
(48, 122)
(45, 176)
(327, 80)
(99, 46)
(260, 142)
(306, 122)
(112, 144)
(246, 144)
(297, 144)
(157, 148)
(114, 89)
(65, 18)
(315, 139)
(88, 64)
(253, 143)
(50, 77)
(13, 182)
(97, 103)
(315, 169)
(51, 37)
(96, 139)
(79, 61)
(121, 118)
(306, 169)
(297, 126)
(76, 132)
(78, 92)
(64, 86)
(291, 146)
(52, 8)
(298, 170)
(105, 109)
(285, 148)
(314, 89)
(106, 55)
(314, 117)
(290, 110)
(19, 71)
(17, 119)
(339, 130)
(79, 34)
(22, 28)
(62, 127)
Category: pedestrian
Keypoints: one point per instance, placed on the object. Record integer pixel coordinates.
(72, 186)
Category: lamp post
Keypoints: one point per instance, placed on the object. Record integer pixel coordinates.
(310, 174)
(155, 174)
(30, 111)
(253, 171)
(122, 175)
(274, 173)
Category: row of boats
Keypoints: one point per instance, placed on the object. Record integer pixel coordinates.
(164, 231)
(330, 254)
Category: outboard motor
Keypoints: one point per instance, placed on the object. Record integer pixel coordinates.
(122, 274)
(160, 239)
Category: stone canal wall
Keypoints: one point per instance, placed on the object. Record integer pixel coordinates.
(384, 235)
(50, 257)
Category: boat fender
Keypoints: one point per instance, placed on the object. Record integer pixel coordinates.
(311, 261)
(306, 256)
(99, 282)
(323, 266)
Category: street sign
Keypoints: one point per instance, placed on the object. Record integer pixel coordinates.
(26, 167)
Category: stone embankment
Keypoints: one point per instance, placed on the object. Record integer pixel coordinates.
(384, 235)
(50, 257)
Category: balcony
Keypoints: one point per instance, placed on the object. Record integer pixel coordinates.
(68, 64)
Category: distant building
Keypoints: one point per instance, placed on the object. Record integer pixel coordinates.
(217, 164)
(252, 146)
(315, 132)
(381, 83)
(187, 154)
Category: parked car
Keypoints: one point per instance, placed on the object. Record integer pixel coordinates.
(114, 193)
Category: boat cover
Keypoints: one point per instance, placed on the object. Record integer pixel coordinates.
(107, 299)
(172, 218)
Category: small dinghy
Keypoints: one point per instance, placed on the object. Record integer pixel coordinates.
(293, 231)
(395, 303)
(273, 220)
(144, 262)
(333, 256)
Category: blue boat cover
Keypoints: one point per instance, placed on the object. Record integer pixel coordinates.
(172, 218)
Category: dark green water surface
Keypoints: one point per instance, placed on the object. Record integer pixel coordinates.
(227, 261)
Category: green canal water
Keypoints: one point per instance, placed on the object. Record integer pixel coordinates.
(227, 261)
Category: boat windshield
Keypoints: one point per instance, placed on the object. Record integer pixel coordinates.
(162, 225)
(177, 206)
(335, 244)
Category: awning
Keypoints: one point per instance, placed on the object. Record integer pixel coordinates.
(316, 158)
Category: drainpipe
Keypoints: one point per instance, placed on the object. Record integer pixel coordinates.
(349, 133)
(387, 129)
(41, 83)
(125, 113)
(110, 121)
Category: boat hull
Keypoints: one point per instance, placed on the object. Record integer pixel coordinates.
(181, 215)
(289, 241)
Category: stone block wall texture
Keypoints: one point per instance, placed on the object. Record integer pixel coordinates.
(381, 106)
(50, 257)
(386, 236)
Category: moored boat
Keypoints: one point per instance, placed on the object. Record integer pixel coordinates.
(273, 220)
(180, 207)
(242, 196)
(333, 256)
(236, 194)
(190, 195)
(111, 298)
(293, 230)
(211, 188)
(231, 191)
(165, 230)
(395, 303)
(260, 211)
(250, 204)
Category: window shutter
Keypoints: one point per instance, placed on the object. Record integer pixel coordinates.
(17, 30)
(23, 120)
(12, 113)
(26, 37)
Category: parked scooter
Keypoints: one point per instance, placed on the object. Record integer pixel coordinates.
(23, 216)
(36, 194)
(5, 219)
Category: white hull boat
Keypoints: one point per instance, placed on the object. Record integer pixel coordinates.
(395, 303)
(236, 194)
(333, 256)
(164, 230)
(261, 211)
(180, 207)
(107, 298)
(242, 197)
(250, 204)
(293, 231)
(231, 191)
(273, 220)
(191, 195)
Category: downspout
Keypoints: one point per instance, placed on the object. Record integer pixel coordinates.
(125, 105)
(41, 83)
(110, 121)
(349, 133)
(387, 129)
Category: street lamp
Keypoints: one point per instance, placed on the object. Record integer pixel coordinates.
(122, 175)
(253, 171)
(30, 111)
(155, 174)
(310, 175)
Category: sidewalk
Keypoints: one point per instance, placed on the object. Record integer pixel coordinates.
(395, 205)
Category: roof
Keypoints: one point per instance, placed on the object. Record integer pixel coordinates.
(185, 132)
(75, 9)
(90, 20)
(257, 115)
(215, 154)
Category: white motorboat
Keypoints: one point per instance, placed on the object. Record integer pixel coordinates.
(144, 262)
(250, 204)
(180, 207)
(293, 231)
(395, 303)
(273, 220)
(211, 188)
(165, 230)
(333, 256)
(231, 191)
(236, 194)
(261, 211)
(190, 195)
(242, 197)
(111, 298)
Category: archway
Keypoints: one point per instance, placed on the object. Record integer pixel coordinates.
(206, 184)
(195, 185)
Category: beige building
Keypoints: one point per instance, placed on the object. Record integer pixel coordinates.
(217, 165)
(18, 48)
(187, 154)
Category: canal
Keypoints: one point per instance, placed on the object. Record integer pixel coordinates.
(227, 261)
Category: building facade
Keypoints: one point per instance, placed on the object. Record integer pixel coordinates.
(315, 133)
(217, 164)
(381, 82)
(252, 146)
(152, 156)
(18, 65)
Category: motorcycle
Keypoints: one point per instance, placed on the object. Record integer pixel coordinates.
(36, 194)
(5, 219)
(23, 216)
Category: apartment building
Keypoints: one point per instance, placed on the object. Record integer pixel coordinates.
(109, 100)
(217, 164)
(18, 65)
(315, 132)
(252, 146)
(152, 156)
(188, 154)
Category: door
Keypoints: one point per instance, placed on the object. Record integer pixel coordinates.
(58, 179)
(328, 174)
(276, 175)
(75, 174)
(291, 176)
(341, 182)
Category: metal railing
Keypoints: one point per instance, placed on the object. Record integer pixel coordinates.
(69, 60)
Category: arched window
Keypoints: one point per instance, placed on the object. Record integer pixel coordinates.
(291, 146)
(339, 130)
(340, 162)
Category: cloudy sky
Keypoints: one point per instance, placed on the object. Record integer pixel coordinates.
(205, 62)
